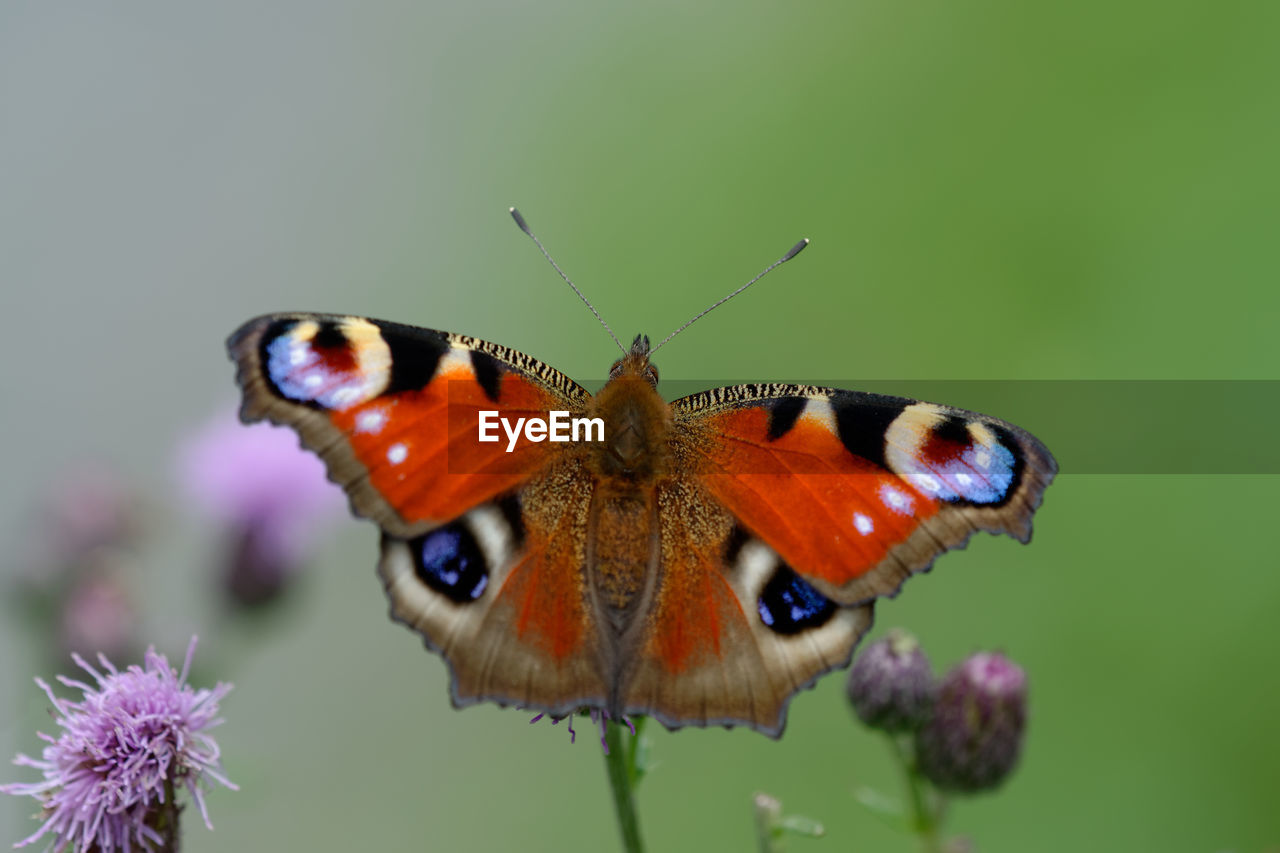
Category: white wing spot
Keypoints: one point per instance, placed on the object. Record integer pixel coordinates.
(397, 453)
(964, 479)
(345, 396)
(895, 500)
(312, 380)
(927, 482)
(862, 523)
(371, 420)
(982, 458)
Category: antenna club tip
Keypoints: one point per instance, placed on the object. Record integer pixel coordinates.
(515, 214)
(795, 250)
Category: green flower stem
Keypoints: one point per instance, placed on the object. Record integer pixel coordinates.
(166, 820)
(926, 816)
(621, 779)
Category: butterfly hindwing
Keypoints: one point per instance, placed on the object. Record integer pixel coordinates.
(857, 491)
(734, 633)
(499, 594)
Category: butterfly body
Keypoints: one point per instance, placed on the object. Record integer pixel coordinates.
(699, 562)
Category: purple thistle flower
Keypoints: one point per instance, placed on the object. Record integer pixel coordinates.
(125, 747)
(974, 738)
(269, 494)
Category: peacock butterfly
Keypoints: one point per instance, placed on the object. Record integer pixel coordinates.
(698, 561)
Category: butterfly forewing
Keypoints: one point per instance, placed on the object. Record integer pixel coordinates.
(857, 491)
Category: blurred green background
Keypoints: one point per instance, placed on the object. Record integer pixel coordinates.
(994, 190)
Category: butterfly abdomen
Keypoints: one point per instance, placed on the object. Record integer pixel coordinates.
(621, 551)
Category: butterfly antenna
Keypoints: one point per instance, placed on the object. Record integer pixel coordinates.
(795, 250)
(524, 226)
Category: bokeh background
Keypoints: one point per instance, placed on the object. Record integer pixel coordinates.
(994, 190)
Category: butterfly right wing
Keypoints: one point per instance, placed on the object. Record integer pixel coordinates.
(708, 657)
(858, 491)
(793, 508)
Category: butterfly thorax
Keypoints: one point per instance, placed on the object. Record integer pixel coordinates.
(637, 421)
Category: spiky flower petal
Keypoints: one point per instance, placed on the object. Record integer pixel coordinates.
(127, 745)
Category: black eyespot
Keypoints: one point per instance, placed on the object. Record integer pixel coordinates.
(415, 355)
(954, 429)
(788, 605)
(862, 421)
(449, 561)
(329, 336)
(783, 414)
(488, 373)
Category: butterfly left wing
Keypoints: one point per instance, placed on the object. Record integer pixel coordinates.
(857, 491)
(481, 548)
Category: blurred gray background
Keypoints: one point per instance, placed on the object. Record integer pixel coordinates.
(995, 190)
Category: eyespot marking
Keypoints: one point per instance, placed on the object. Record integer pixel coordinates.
(951, 458)
(449, 561)
(329, 364)
(789, 605)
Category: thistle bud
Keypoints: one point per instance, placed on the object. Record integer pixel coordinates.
(98, 614)
(891, 684)
(269, 498)
(973, 740)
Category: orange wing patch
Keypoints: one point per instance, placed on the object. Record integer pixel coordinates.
(693, 615)
(544, 590)
(696, 615)
(422, 448)
(829, 514)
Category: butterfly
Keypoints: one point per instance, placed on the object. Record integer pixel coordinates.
(698, 561)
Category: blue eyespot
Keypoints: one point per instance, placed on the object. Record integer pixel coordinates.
(449, 561)
(788, 605)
